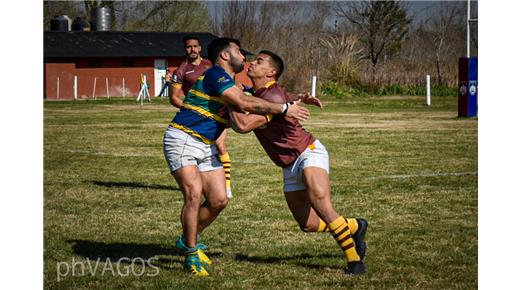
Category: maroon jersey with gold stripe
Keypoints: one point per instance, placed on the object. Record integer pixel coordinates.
(283, 138)
(187, 74)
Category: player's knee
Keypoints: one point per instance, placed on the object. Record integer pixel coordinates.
(319, 194)
(193, 198)
(219, 204)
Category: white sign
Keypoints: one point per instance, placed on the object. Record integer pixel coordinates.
(472, 89)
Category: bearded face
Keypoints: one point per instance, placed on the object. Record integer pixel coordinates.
(237, 63)
(192, 49)
(236, 58)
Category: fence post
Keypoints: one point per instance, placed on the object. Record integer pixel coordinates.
(108, 96)
(428, 96)
(75, 87)
(313, 91)
(94, 89)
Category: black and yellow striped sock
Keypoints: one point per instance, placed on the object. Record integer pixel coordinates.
(322, 227)
(226, 163)
(352, 224)
(341, 233)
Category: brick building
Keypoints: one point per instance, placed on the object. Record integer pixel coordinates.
(113, 61)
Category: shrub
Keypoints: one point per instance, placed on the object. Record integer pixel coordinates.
(359, 89)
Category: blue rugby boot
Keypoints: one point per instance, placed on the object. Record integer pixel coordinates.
(194, 266)
(182, 249)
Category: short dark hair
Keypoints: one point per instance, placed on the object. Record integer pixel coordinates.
(218, 45)
(275, 61)
(190, 37)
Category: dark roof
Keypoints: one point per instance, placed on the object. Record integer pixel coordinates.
(57, 44)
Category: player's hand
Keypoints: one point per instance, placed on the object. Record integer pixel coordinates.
(310, 100)
(298, 112)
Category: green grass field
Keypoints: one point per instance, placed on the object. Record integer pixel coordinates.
(409, 169)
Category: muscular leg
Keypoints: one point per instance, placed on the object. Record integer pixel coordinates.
(305, 215)
(302, 211)
(318, 185)
(190, 181)
(318, 191)
(216, 199)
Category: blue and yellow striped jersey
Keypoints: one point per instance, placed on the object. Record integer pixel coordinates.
(204, 113)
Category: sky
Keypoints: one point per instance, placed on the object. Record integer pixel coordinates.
(422, 9)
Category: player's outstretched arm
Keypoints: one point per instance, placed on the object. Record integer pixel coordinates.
(237, 98)
(245, 123)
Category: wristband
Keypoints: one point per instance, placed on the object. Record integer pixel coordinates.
(286, 107)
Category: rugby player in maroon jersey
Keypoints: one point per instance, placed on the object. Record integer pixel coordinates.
(304, 160)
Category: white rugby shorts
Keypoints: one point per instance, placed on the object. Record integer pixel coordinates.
(315, 155)
(181, 149)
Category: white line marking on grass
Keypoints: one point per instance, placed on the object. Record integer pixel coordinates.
(113, 154)
(425, 175)
(108, 125)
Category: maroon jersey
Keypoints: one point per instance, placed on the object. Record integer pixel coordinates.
(283, 138)
(186, 74)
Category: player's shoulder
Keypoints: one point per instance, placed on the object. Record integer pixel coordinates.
(205, 63)
(217, 74)
(274, 93)
(277, 88)
(217, 80)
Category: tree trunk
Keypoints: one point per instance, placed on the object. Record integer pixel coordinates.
(439, 74)
(373, 72)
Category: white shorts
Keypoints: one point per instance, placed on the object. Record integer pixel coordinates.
(315, 155)
(182, 149)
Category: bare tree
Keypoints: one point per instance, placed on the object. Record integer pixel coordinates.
(381, 26)
(474, 27)
(173, 16)
(445, 28)
(55, 8)
(291, 29)
(137, 15)
(251, 22)
(342, 54)
(369, 39)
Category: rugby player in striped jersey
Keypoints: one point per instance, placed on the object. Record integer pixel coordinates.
(184, 78)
